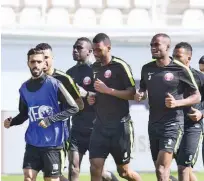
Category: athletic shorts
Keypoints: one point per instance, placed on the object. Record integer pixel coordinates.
(116, 141)
(189, 147)
(164, 137)
(50, 161)
(203, 150)
(79, 141)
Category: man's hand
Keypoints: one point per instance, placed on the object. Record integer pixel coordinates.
(82, 91)
(7, 122)
(139, 96)
(91, 99)
(170, 101)
(195, 114)
(101, 87)
(44, 122)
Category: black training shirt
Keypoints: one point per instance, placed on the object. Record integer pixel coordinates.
(117, 75)
(199, 78)
(82, 74)
(158, 81)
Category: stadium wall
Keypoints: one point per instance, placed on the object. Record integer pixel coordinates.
(15, 71)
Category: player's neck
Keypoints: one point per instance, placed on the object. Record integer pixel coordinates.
(82, 62)
(38, 76)
(106, 60)
(163, 62)
(50, 71)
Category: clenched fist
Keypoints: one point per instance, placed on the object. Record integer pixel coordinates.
(139, 96)
(7, 122)
(195, 114)
(170, 101)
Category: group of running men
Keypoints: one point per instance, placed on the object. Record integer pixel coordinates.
(95, 95)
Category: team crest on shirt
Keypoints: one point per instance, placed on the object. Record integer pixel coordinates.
(107, 74)
(169, 76)
(87, 80)
(38, 112)
(45, 111)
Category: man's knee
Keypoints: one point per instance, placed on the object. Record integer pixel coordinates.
(96, 167)
(29, 175)
(74, 169)
(162, 171)
(183, 169)
(29, 178)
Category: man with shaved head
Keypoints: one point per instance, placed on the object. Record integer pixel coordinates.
(165, 80)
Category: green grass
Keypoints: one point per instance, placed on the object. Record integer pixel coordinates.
(86, 177)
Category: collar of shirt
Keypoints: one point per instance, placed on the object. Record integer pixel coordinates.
(84, 63)
(35, 84)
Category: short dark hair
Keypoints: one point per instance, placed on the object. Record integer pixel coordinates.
(44, 46)
(161, 35)
(34, 51)
(102, 37)
(201, 61)
(184, 45)
(86, 40)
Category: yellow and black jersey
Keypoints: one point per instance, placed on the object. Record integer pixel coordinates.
(117, 75)
(174, 78)
(82, 74)
(68, 83)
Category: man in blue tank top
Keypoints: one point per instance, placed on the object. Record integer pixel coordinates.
(40, 98)
(68, 83)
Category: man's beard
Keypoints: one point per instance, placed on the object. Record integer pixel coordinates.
(36, 74)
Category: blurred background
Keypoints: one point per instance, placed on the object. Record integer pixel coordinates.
(130, 25)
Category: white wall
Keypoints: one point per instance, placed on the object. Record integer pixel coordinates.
(15, 71)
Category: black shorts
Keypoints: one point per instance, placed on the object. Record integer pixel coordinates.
(50, 161)
(189, 147)
(79, 141)
(118, 142)
(165, 137)
(203, 150)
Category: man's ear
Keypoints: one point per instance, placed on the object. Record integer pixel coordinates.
(109, 48)
(168, 47)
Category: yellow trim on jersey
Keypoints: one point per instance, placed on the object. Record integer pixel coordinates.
(70, 80)
(131, 136)
(195, 157)
(189, 71)
(178, 141)
(126, 69)
(62, 157)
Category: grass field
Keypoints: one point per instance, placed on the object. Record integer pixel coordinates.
(86, 177)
